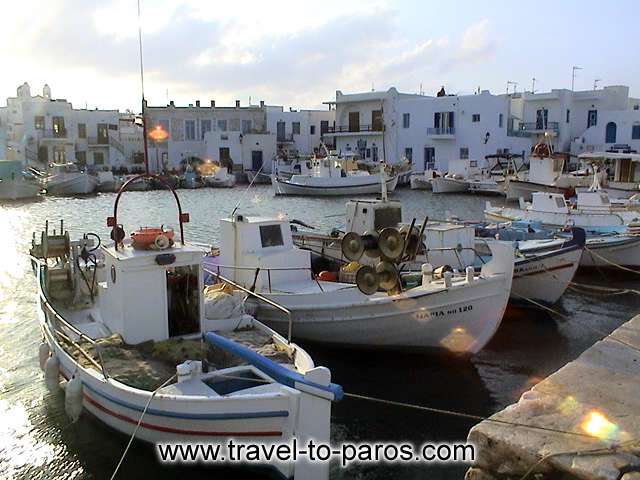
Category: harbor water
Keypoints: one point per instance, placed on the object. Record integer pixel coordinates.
(37, 440)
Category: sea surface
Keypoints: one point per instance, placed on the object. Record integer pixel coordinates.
(37, 440)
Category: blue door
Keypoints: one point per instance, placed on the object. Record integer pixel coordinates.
(610, 133)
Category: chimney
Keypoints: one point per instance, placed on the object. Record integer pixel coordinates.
(197, 103)
(261, 103)
(172, 103)
(237, 103)
(213, 104)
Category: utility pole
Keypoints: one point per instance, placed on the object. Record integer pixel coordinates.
(573, 76)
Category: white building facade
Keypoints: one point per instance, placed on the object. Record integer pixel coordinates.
(39, 130)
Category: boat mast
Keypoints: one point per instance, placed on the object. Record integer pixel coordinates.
(144, 102)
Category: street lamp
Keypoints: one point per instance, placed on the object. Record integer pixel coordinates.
(158, 135)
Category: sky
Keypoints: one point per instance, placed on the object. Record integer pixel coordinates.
(298, 53)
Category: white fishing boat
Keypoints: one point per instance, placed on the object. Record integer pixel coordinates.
(66, 179)
(332, 177)
(190, 179)
(456, 180)
(422, 180)
(456, 312)
(15, 184)
(219, 178)
(592, 209)
(131, 330)
(546, 174)
(619, 173)
(107, 181)
(138, 183)
(612, 250)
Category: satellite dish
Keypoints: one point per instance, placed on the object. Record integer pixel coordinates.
(367, 280)
(352, 246)
(391, 243)
(387, 275)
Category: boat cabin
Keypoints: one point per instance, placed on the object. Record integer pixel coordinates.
(598, 200)
(152, 294)
(372, 215)
(462, 168)
(258, 253)
(547, 202)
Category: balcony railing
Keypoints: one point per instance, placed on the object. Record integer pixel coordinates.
(53, 133)
(354, 128)
(441, 131)
(540, 126)
(98, 140)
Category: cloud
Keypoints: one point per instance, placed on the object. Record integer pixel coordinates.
(293, 53)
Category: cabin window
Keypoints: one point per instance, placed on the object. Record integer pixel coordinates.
(271, 236)
(635, 132)
(604, 199)
(183, 300)
(475, 118)
(406, 120)
(560, 202)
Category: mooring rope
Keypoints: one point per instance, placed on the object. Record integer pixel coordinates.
(135, 430)
(613, 264)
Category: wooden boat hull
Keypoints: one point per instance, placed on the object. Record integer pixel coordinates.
(448, 185)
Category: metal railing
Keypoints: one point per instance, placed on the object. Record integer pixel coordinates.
(93, 140)
(441, 131)
(375, 127)
(259, 270)
(53, 133)
(257, 296)
(533, 126)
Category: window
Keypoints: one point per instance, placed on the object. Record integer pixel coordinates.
(500, 120)
(635, 132)
(406, 120)
(205, 126)
(295, 128)
(542, 116)
(58, 127)
(324, 126)
(98, 158)
(592, 118)
(443, 121)
(568, 117)
(59, 155)
(560, 203)
(464, 153)
(39, 122)
(82, 130)
(246, 126)
(234, 125)
(190, 129)
(271, 236)
(81, 158)
(102, 131)
(222, 125)
(610, 133)
(113, 126)
(475, 118)
(312, 130)
(408, 153)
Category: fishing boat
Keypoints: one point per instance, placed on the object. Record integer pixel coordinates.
(66, 179)
(618, 172)
(190, 179)
(15, 184)
(107, 181)
(331, 177)
(138, 183)
(146, 350)
(219, 178)
(422, 180)
(456, 179)
(456, 312)
(592, 209)
(546, 174)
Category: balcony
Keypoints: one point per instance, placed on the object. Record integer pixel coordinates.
(539, 127)
(346, 130)
(442, 133)
(285, 138)
(98, 141)
(59, 134)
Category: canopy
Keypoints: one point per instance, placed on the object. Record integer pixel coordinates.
(609, 155)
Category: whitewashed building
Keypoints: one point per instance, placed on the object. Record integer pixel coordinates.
(245, 137)
(38, 130)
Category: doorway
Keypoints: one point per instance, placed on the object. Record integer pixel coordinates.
(429, 158)
(183, 300)
(610, 133)
(256, 160)
(280, 131)
(354, 121)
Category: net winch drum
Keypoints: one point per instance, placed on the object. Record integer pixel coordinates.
(367, 280)
(391, 243)
(387, 275)
(55, 245)
(353, 246)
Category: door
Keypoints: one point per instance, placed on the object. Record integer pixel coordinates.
(102, 133)
(256, 160)
(592, 118)
(610, 133)
(542, 116)
(58, 127)
(429, 158)
(225, 158)
(374, 153)
(376, 120)
(280, 131)
(43, 154)
(354, 121)
(625, 170)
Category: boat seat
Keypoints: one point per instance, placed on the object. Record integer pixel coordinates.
(193, 386)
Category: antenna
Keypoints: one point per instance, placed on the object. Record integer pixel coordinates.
(533, 85)
(144, 123)
(573, 75)
(515, 84)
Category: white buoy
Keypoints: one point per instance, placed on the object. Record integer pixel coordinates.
(43, 354)
(52, 373)
(73, 398)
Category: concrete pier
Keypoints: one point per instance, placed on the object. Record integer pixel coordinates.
(597, 394)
